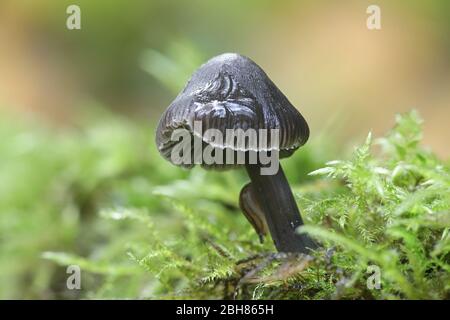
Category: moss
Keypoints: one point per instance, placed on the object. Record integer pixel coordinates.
(102, 198)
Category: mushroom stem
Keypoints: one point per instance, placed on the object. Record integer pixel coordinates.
(280, 209)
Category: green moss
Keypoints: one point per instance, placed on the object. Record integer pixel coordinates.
(102, 198)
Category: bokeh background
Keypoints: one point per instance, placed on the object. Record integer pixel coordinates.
(132, 57)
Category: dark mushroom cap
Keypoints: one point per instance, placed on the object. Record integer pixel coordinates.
(230, 91)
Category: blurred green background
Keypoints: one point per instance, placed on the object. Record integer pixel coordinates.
(135, 56)
(78, 107)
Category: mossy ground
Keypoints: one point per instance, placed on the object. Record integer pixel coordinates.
(102, 198)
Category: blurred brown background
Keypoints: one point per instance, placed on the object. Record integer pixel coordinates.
(133, 56)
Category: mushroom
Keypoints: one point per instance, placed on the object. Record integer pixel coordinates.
(231, 92)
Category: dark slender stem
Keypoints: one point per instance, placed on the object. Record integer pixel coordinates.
(280, 209)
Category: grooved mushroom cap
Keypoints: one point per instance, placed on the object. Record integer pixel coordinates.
(230, 91)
